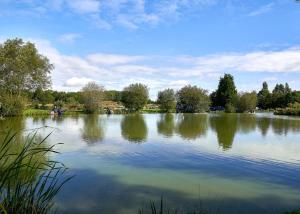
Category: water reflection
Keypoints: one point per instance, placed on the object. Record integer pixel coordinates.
(166, 125)
(263, 125)
(247, 123)
(134, 128)
(13, 124)
(92, 130)
(225, 126)
(259, 169)
(192, 126)
(282, 126)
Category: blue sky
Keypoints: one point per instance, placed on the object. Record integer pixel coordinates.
(162, 43)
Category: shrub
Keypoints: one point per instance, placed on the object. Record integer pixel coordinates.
(229, 108)
(11, 106)
(292, 109)
(247, 102)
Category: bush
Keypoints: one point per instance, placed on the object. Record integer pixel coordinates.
(292, 109)
(11, 106)
(229, 108)
(135, 96)
(191, 99)
(247, 102)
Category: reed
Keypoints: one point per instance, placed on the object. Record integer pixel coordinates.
(29, 180)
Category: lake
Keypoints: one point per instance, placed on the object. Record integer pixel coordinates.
(223, 163)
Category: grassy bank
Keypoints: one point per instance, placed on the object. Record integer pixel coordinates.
(42, 112)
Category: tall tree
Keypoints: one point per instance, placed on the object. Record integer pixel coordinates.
(279, 96)
(166, 99)
(192, 99)
(264, 97)
(247, 102)
(226, 93)
(22, 67)
(135, 96)
(92, 94)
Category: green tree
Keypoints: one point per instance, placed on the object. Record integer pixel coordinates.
(191, 99)
(113, 95)
(92, 94)
(42, 97)
(264, 97)
(167, 100)
(226, 92)
(279, 96)
(247, 102)
(135, 96)
(22, 69)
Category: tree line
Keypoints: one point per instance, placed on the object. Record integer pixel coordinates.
(25, 81)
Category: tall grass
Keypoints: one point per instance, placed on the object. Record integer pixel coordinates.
(29, 180)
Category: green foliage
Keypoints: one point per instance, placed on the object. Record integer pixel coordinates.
(191, 99)
(43, 97)
(135, 96)
(22, 67)
(167, 100)
(113, 95)
(230, 108)
(292, 109)
(58, 104)
(264, 97)
(226, 92)
(29, 181)
(10, 105)
(247, 102)
(92, 95)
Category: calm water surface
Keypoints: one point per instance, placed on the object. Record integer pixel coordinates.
(225, 163)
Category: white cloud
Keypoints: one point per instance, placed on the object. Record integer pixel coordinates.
(77, 81)
(69, 38)
(111, 59)
(115, 71)
(262, 10)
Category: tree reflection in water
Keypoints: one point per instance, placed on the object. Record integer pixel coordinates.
(225, 125)
(192, 126)
(134, 128)
(92, 130)
(165, 125)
